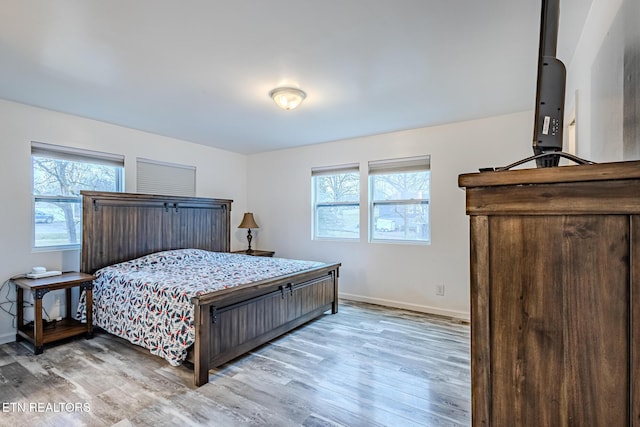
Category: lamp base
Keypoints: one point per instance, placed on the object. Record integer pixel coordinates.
(249, 237)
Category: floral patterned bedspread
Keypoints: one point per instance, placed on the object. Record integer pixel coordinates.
(148, 300)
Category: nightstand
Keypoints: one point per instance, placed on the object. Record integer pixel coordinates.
(38, 335)
(255, 252)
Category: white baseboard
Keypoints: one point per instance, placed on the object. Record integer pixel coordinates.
(6, 338)
(408, 306)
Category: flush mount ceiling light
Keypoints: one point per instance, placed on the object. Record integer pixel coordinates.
(287, 98)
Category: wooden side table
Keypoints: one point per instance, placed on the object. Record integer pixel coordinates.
(65, 328)
(255, 252)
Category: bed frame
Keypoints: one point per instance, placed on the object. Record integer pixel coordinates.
(117, 227)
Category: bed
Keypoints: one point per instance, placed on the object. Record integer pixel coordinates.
(228, 320)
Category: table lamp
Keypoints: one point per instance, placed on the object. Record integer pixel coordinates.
(249, 223)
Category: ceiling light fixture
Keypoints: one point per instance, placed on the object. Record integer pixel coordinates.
(287, 98)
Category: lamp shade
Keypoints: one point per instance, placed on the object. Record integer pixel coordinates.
(248, 221)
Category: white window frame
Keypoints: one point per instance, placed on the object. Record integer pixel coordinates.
(394, 166)
(57, 152)
(333, 170)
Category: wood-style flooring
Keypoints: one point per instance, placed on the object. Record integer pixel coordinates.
(365, 366)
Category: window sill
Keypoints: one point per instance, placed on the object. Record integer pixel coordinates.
(55, 248)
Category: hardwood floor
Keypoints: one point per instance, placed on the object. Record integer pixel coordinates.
(365, 366)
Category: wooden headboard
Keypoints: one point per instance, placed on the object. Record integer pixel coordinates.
(118, 227)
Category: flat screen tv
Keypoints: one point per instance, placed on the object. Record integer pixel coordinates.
(550, 88)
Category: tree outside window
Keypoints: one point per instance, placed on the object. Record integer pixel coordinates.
(400, 199)
(58, 177)
(337, 203)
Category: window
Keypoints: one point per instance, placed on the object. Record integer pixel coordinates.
(336, 202)
(399, 200)
(171, 179)
(59, 173)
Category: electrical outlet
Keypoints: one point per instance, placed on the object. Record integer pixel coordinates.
(440, 290)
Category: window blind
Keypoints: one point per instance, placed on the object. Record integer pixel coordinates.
(402, 165)
(154, 177)
(333, 170)
(51, 151)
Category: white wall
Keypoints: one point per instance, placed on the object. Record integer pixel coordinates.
(398, 275)
(219, 174)
(596, 78)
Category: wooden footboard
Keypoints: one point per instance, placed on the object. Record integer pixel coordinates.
(229, 323)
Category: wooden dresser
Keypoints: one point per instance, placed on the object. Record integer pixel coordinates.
(555, 295)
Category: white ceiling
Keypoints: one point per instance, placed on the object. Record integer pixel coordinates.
(201, 70)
